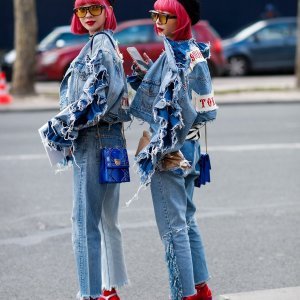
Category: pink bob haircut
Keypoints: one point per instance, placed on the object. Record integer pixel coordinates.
(110, 22)
(184, 27)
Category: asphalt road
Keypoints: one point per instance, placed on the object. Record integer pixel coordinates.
(248, 214)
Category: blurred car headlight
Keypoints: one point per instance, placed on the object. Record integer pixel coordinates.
(10, 57)
(49, 59)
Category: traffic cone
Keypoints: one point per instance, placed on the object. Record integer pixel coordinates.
(5, 98)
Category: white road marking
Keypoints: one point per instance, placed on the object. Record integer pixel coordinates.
(228, 148)
(256, 147)
(22, 157)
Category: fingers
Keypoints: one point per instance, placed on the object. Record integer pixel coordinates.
(137, 68)
(146, 57)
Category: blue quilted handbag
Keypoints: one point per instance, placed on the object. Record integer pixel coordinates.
(114, 165)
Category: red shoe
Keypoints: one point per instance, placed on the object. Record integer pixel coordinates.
(109, 295)
(203, 293)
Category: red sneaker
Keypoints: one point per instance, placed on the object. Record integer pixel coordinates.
(203, 293)
(109, 295)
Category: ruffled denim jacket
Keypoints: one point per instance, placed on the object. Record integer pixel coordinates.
(175, 94)
(93, 89)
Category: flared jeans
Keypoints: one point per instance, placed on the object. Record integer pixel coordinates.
(172, 194)
(96, 235)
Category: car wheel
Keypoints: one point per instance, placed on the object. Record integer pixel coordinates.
(238, 66)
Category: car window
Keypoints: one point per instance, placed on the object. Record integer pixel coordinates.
(73, 38)
(293, 29)
(135, 35)
(274, 32)
(61, 39)
(49, 40)
(67, 38)
(246, 31)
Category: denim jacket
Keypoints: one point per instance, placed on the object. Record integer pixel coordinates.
(93, 89)
(175, 94)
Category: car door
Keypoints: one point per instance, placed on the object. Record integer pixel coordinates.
(270, 47)
(291, 45)
(142, 37)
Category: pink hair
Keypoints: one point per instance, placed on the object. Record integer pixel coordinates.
(184, 29)
(110, 22)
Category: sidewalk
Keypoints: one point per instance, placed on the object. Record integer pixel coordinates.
(290, 293)
(228, 90)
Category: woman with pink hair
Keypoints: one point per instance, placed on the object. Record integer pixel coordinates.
(175, 97)
(94, 106)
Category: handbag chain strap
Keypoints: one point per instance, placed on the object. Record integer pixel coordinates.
(123, 135)
(205, 138)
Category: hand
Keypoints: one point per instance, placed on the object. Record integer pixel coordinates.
(147, 63)
(147, 59)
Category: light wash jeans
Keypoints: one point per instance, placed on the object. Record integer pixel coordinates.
(96, 235)
(172, 195)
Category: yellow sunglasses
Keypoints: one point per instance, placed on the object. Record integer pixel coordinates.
(95, 10)
(162, 17)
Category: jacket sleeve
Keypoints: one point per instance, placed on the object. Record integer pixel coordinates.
(201, 88)
(103, 87)
(134, 81)
(105, 83)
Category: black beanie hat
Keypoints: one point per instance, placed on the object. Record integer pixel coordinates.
(192, 7)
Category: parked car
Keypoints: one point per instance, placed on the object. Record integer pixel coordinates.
(53, 62)
(59, 38)
(268, 45)
(140, 34)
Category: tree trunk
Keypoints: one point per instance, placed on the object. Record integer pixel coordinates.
(298, 49)
(25, 45)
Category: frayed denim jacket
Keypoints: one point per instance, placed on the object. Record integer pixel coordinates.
(175, 94)
(93, 89)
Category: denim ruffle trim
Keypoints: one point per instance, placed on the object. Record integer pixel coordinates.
(167, 114)
(63, 129)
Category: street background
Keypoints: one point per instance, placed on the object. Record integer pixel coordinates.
(56, 12)
(248, 214)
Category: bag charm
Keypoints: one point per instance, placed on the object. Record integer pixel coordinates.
(205, 166)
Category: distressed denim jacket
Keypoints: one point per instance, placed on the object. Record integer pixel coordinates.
(93, 89)
(175, 94)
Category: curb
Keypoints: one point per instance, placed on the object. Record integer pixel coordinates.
(45, 103)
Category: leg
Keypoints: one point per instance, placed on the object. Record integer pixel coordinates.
(96, 235)
(114, 273)
(197, 248)
(191, 150)
(169, 200)
(86, 216)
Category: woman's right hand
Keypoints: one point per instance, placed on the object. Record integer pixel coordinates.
(148, 64)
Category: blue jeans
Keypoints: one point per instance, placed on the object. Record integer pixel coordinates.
(172, 195)
(96, 235)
